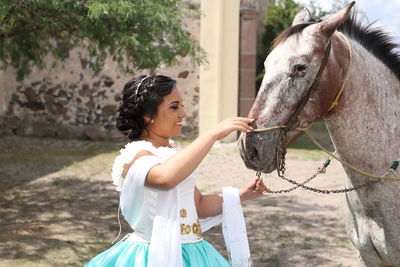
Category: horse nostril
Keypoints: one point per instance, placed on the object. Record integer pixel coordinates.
(253, 154)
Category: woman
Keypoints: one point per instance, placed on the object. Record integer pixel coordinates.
(159, 198)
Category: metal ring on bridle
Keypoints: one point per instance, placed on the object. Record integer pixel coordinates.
(293, 123)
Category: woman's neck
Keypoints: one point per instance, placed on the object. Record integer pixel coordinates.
(157, 141)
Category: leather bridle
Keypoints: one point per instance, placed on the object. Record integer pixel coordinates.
(293, 119)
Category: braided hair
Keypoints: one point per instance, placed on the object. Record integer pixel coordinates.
(141, 96)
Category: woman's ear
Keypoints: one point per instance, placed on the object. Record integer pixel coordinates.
(146, 118)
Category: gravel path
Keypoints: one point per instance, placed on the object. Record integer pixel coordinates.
(58, 206)
(299, 228)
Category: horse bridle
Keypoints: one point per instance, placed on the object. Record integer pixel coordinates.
(292, 123)
(293, 119)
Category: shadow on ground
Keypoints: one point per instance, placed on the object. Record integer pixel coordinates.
(57, 205)
(279, 238)
(23, 159)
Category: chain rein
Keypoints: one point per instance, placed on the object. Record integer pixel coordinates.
(281, 168)
(292, 124)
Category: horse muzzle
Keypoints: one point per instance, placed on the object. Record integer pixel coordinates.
(258, 150)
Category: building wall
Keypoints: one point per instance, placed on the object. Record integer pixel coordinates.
(68, 101)
(251, 32)
(219, 79)
(7, 87)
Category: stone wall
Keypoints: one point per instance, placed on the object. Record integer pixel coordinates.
(68, 101)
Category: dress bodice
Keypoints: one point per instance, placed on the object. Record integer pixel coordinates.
(189, 222)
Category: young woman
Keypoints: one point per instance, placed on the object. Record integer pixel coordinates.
(159, 198)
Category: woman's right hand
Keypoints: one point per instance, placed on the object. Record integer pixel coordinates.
(229, 125)
(175, 169)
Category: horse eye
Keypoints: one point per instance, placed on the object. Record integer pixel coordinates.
(300, 69)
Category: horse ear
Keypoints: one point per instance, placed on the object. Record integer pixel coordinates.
(302, 16)
(329, 25)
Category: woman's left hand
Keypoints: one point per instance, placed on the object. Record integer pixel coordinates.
(253, 190)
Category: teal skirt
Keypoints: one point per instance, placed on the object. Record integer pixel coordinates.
(130, 253)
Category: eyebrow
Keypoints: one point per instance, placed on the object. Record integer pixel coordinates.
(175, 102)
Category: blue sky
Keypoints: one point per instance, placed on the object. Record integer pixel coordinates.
(387, 12)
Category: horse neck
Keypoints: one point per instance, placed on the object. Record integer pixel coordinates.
(365, 126)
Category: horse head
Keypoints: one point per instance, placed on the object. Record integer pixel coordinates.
(303, 75)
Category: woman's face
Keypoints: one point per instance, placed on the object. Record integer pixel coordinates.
(169, 119)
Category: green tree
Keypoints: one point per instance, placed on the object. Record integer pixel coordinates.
(278, 17)
(138, 34)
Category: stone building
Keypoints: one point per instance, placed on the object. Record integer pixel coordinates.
(68, 101)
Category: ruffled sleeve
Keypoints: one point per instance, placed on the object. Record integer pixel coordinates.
(126, 155)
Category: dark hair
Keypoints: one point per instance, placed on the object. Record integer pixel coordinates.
(141, 96)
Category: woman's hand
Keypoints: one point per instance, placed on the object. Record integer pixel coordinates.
(253, 190)
(229, 125)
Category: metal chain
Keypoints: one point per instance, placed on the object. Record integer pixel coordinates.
(334, 191)
(319, 171)
(281, 168)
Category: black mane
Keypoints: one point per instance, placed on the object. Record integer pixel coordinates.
(374, 39)
(378, 42)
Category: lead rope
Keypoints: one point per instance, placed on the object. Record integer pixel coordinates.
(281, 161)
(393, 167)
(336, 101)
(281, 169)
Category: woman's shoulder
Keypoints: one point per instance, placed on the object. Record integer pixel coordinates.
(128, 153)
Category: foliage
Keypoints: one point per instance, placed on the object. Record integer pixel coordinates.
(138, 34)
(278, 16)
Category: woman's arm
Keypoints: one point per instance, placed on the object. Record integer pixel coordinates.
(207, 205)
(211, 205)
(175, 169)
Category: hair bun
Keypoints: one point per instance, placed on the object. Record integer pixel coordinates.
(141, 96)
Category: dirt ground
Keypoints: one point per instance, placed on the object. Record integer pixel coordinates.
(58, 206)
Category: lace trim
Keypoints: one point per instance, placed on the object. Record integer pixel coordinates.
(128, 153)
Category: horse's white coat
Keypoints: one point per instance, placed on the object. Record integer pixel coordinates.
(364, 127)
(366, 133)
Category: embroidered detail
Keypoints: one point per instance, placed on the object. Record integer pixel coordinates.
(194, 228)
(183, 213)
(185, 229)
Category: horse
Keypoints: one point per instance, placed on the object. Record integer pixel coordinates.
(347, 73)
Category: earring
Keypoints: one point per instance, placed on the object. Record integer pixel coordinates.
(151, 121)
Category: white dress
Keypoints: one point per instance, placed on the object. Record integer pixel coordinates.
(166, 226)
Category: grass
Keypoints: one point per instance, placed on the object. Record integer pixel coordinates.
(318, 130)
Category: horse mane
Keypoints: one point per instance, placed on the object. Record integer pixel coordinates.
(378, 42)
(294, 30)
(374, 39)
